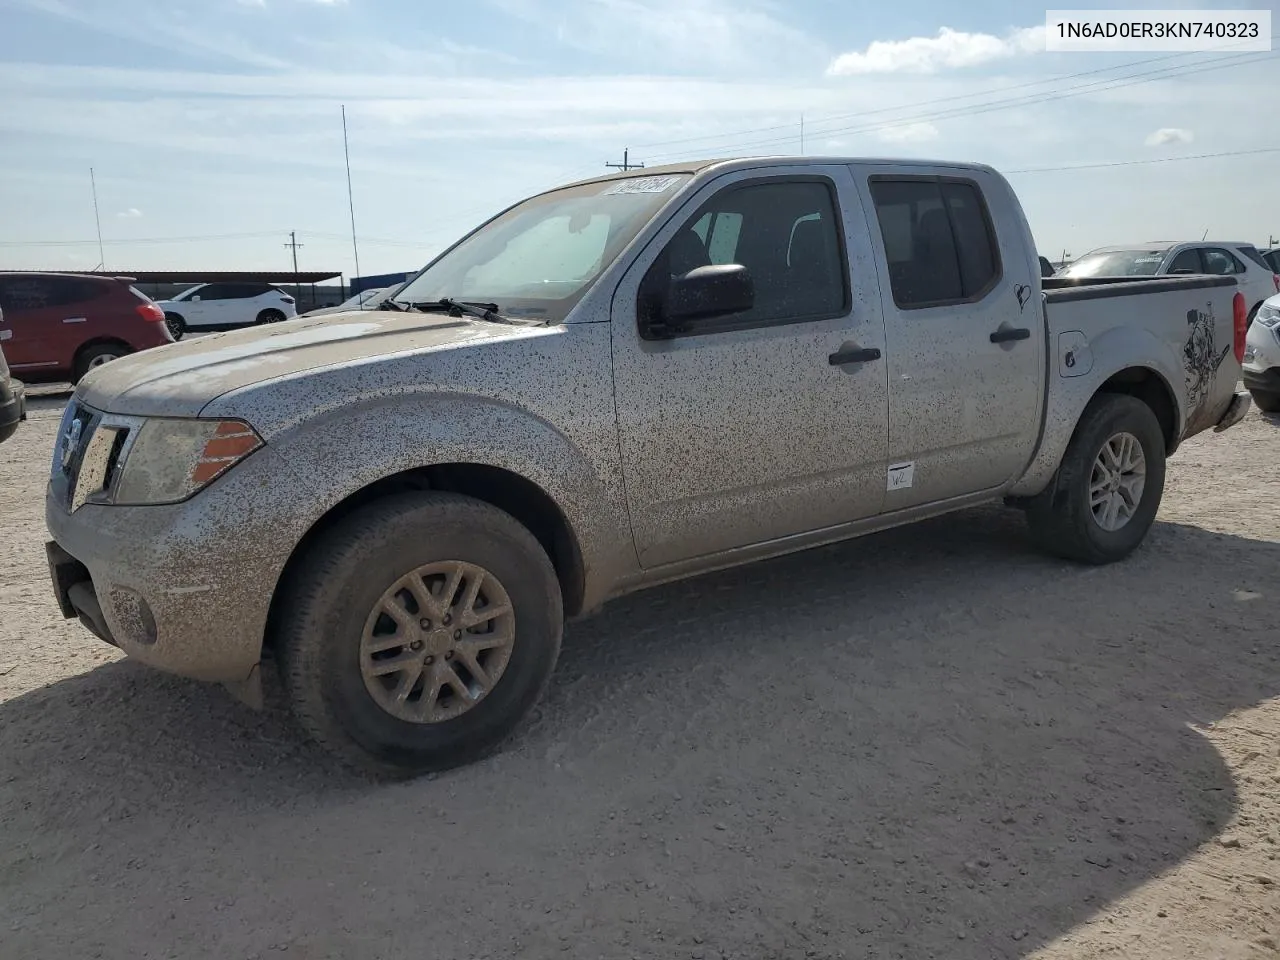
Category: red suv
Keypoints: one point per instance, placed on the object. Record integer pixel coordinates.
(58, 326)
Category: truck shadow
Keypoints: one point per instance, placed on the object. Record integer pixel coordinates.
(929, 742)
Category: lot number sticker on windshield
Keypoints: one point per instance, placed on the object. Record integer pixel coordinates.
(641, 185)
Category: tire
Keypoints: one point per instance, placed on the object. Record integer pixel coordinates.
(177, 325)
(96, 356)
(270, 316)
(1063, 519)
(332, 601)
(1266, 402)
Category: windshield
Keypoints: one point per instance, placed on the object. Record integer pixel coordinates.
(1116, 263)
(540, 257)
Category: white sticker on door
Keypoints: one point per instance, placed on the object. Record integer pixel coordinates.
(901, 475)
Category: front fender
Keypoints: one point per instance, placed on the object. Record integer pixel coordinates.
(347, 448)
(1115, 350)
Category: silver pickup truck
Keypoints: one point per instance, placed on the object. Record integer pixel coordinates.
(625, 381)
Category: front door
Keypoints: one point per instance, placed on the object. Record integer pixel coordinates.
(771, 422)
(966, 339)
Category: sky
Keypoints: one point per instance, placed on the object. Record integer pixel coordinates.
(214, 127)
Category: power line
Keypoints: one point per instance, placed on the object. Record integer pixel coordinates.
(935, 100)
(138, 240)
(1134, 163)
(1113, 83)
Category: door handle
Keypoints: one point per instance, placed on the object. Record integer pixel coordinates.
(1006, 334)
(853, 355)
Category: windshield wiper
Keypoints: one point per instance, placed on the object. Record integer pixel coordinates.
(482, 311)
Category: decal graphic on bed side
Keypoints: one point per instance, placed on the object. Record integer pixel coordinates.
(1201, 357)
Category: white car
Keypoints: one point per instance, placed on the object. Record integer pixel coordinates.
(222, 306)
(1261, 367)
(364, 300)
(1254, 276)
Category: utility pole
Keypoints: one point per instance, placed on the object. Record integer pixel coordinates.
(802, 134)
(294, 244)
(102, 257)
(626, 163)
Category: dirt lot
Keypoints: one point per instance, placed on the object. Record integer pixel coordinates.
(930, 743)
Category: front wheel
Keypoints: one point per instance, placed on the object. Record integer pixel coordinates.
(176, 324)
(418, 632)
(1104, 497)
(1266, 402)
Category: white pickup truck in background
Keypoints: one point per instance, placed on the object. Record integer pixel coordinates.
(613, 384)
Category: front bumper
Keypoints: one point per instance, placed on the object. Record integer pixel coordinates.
(185, 588)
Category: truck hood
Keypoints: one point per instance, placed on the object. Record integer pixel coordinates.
(178, 380)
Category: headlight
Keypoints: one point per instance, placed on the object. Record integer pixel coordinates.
(169, 460)
(1268, 314)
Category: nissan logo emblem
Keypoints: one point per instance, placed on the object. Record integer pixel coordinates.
(70, 440)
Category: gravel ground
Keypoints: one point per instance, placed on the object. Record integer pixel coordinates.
(934, 742)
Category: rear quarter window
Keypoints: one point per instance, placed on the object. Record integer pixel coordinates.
(1252, 254)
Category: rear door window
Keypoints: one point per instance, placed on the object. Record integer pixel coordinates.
(938, 241)
(22, 294)
(1220, 262)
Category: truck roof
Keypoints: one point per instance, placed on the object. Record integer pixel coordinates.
(732, 163)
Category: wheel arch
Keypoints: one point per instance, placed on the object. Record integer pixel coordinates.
(1150, 386)
(510, 492)
(77, 358)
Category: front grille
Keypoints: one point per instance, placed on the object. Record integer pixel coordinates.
(89, 453)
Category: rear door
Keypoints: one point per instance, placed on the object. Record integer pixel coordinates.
(44, 319)
(219, 305)
(965, 337)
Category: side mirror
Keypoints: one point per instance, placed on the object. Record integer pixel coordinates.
(195, 299)
(706, 292)
(1046, 268)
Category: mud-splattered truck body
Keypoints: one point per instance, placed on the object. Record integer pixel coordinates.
(621, 382)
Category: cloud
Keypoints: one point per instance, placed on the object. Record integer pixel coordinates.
(950, 49)
(687, 36)
(133, 213)
(1167, 135)
(908, 133)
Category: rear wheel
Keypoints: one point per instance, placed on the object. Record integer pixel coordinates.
(1265, 401)
(418, 632)
(96, 356)
(177, 325)
(1104, 497)
(270, 316)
